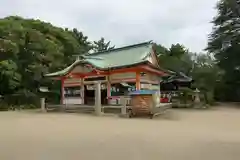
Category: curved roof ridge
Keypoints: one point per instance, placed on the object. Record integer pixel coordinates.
(92, 57)
(121, 48)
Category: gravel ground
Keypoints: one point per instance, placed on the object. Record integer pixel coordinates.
(181, 134)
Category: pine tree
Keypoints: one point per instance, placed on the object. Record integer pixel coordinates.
(224, 43)
(101, 45)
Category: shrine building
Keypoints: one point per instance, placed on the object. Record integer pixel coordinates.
(119, 71)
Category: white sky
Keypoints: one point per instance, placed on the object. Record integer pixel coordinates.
(125, 22)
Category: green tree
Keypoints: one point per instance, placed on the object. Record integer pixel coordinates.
(206, 75)
(200, 67)
(161, 50)
(176, 58)
(102, 45)
(224, 44)
(82, 40)
(9, 77)
(177, 50)
(29, 48)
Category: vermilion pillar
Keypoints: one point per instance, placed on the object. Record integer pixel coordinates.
(138, 87)
(108, 88)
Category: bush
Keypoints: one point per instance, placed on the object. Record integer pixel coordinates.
(210, 98)
(19, 101)
(30, 106)
(3, 106)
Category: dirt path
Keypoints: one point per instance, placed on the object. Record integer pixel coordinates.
(185, 135)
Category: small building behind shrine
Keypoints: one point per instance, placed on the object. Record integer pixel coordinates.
(119, 71)
(175, 82)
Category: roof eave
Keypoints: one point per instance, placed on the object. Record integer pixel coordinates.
(67, 70)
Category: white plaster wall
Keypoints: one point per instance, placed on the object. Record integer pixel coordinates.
(114, 101)
(146, 86)
(72, 100)
(155, 87)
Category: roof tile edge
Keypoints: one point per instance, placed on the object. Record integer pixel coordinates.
(120, 48)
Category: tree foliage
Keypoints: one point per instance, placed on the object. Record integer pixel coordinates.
(205, 72)
(176, 58)
(29, 48)
(102, 45)
(201, 67)
(224, 44)
(82, 40)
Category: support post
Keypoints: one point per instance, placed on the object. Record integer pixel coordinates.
(62, 90)
(82, 90)
(108, 89)
(123, 102)
(155, 102)
(43, 107)
(98, 105)
(138, 86)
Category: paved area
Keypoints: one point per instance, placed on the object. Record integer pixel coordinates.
(181, 135)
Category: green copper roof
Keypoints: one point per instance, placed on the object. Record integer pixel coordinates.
(119, 57)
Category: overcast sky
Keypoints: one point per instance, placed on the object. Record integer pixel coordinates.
(125, 22)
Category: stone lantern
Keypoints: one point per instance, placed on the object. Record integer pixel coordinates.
(196, 95)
